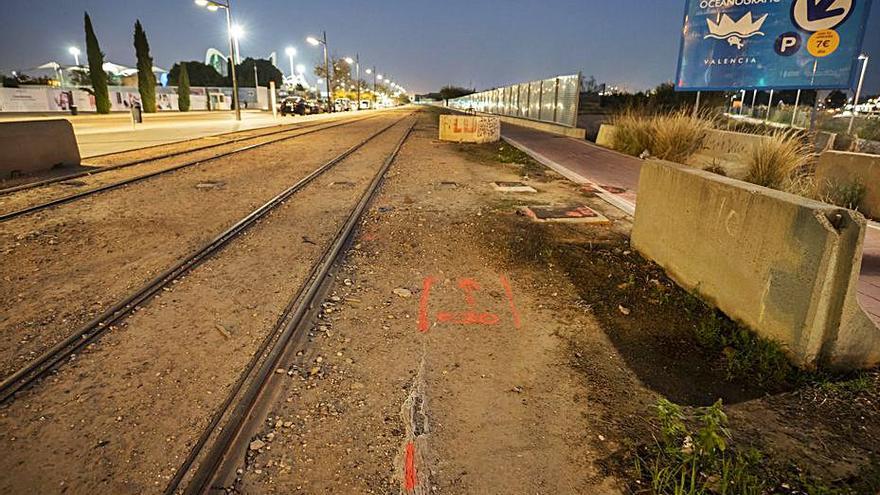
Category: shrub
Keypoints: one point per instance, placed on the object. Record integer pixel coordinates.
(776, 159)
(844, 194)
(671, 136)
(632, 133)
(678, 135)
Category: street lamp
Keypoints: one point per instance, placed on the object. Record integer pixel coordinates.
(75, 52)
(357, 64)
(290, 51)
(323, 41)
(864, 58)
(213, 6)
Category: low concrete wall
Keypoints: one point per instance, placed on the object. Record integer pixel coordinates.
(784, 266)
(839, 168)
(32, 146)
(606, 135)
(572, 132)
(469, 129)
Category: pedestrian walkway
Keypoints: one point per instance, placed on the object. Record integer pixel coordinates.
(616, 177)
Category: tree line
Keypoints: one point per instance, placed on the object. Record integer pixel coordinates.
(182, 74)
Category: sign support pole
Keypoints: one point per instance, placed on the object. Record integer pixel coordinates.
(697, 105)
(754, 97)
(797, 102)
(769, 106)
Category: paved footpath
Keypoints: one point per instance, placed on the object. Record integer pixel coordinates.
(616, 176)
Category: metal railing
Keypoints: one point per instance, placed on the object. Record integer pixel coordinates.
(553, 100)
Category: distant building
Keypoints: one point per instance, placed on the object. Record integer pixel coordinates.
(217, 60)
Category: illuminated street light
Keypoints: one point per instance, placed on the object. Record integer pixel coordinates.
(75, 52)
(233, 34)
(357, 63)
(864, 58)
(290, 51)
(323, 41)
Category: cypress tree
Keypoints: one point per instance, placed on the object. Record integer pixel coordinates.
(146, 79)
(183, 89)
(96, 68)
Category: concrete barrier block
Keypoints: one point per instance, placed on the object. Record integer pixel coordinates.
(784, 266)
(838, 168)
(606, 135)
(470, 129)
(32, 146)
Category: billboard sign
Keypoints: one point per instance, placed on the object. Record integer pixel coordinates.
(770, 44)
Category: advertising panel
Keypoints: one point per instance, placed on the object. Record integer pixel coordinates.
(771, 44)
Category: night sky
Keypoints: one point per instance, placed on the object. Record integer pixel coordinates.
(421, 44)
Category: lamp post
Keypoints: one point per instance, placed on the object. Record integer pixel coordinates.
(290, 51)
(864, 58)
(213, 6)
(75, 52)
(357, 64)
(323, 41)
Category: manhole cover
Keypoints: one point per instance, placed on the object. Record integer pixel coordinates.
(576, 214)
(513, 187)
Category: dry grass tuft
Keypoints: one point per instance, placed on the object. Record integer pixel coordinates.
(776, 160)
(671, 136)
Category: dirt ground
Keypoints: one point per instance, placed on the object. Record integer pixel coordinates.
(463, 348)
(122, 416)
(546, 386)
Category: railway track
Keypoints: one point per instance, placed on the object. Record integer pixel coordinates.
(218, 445)
(304, 130)
(92, 330)
(280, 128)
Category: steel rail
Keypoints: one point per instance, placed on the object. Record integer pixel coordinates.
(268, 354)
(89, 332)
(73, 197)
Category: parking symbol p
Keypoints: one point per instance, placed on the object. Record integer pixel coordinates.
(787, 44)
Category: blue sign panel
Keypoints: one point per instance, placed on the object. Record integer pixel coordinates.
(770, 44)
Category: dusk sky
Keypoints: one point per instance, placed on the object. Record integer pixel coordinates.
(423, 45)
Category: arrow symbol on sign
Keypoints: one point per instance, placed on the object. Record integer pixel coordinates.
(821, 9)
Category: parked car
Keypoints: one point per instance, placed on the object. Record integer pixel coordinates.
(313, 106)
(342, 104)
(365, 104)
(293, 105)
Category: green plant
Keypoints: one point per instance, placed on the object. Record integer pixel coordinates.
(844, 194)
(146, 79)
(776, 158)
(96, 68)
(183, 89)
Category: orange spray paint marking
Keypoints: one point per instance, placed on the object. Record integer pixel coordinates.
(423, 304)
(409, 468)
(509, 292)
(469, 286)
